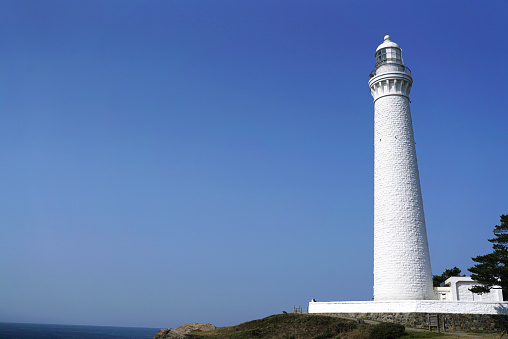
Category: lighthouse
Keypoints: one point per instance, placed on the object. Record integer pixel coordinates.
(401, 252)
(402, 275)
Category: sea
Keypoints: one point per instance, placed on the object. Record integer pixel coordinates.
(43, 331)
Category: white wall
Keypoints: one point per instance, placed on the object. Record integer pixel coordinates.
(410, 306)
(459, 290)
(401, 254)
(442, 293)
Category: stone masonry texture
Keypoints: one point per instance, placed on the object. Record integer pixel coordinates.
(447, 321)
(401, 254)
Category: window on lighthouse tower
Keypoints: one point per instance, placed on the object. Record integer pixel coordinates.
(381, 57)
(388, 55)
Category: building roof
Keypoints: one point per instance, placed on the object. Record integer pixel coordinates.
(387, 43)
(457, 279)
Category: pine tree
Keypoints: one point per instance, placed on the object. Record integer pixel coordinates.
(491, 269)
(437, 280)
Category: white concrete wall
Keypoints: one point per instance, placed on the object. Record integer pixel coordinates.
(409, 306)
(464, 294)
(494, 295)
(442, 293)
(401, 254)
(459, 289)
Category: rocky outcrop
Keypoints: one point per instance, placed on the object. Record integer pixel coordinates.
(183, 331)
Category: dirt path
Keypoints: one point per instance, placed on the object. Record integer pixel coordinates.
(446, 334)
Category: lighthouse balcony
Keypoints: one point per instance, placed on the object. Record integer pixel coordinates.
(389, 67)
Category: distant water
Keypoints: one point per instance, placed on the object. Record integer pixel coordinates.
(41, 331)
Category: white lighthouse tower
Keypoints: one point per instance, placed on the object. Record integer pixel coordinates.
(402, 275)
(401, 252)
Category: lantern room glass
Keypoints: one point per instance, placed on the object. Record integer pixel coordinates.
(389, 55)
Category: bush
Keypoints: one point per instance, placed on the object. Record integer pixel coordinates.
(387, 331)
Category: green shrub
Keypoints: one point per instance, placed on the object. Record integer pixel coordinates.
(387, 331)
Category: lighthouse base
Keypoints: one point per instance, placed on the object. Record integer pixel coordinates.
(410, 306)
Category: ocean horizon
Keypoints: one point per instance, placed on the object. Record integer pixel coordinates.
(55, 331)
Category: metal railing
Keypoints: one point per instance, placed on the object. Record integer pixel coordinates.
(298, 309)
(405, 70)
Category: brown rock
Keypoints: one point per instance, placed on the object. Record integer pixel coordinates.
(195, 326)
(183, 331)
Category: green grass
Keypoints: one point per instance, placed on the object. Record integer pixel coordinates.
(301, 326)
(284, 326)
(414, 334)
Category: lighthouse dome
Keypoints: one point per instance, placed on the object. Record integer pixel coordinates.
(387, 43)
(388, 53)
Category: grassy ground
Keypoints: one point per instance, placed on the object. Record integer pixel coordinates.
(289, 325)
(305, 326)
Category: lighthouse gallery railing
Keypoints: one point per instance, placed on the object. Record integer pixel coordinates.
(405, 70)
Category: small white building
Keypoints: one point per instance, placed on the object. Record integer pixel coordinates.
(457, 289)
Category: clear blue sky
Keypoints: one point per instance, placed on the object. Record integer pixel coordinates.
(166, 162)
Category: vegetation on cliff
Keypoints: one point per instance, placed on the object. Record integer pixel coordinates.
(300, 326)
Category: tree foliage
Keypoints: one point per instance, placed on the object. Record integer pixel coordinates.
(451, 272)
(491, 269)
